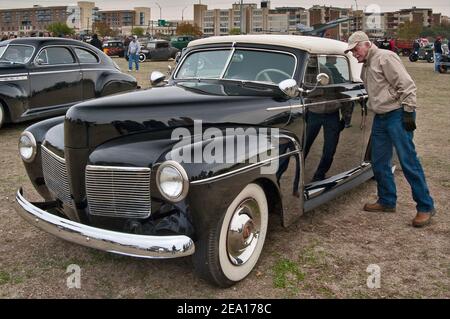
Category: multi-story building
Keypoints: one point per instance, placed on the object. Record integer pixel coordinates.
(35, 20)
(415, 15)
(28, 21)
(319, 15)
(124, 20)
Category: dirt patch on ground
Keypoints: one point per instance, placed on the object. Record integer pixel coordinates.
(324, 255)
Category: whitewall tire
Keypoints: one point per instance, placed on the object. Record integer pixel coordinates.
(235, 243)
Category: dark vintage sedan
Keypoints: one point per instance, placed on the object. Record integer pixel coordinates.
(195, 165)
(158, 50)
(43, 77)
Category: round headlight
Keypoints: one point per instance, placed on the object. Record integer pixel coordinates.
(27, 146)
(172, 181)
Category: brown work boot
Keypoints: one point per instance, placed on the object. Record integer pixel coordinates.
(377, 207)
(422, 219)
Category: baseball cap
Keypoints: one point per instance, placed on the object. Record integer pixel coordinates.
(355, 38)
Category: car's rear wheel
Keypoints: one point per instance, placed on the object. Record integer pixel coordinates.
(430, 58)
(231, 247)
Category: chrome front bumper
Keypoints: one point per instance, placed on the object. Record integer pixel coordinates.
(115, 242)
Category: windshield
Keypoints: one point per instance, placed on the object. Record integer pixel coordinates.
(240, 64)
(16, 53)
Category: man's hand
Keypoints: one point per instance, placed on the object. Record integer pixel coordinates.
(408, 121)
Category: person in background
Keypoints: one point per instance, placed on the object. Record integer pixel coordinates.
(392, 97)
(96, 42)
(134, 48)
(126, 43)
(437, 53)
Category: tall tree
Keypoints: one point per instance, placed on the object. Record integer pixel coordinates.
(235, 31)
(138, 31)
(60, 29)
(409, 31)
(103, 30)
(188, 29)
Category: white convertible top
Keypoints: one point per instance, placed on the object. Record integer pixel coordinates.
(313, 45)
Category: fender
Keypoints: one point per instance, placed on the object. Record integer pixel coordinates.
(34, 169)
(109, 83)
(15, 100)
(281, 174)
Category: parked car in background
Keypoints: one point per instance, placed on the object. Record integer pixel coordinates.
(158, 50)
(43, 77)
(181, 41)
(114, 48)
(112, 179)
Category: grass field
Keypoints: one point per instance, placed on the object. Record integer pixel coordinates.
(324, 255)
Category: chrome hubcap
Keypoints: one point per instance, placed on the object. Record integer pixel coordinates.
(243, 232)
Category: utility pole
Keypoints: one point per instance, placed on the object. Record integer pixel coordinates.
(242, 16)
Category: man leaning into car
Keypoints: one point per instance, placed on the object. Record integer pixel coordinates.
(392, 96)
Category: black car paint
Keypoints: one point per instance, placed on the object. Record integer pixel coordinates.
(51, 90)
(102, 132)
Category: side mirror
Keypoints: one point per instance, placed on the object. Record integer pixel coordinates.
(156, 78)
(169, 70)
(289, 87)
(323, 79)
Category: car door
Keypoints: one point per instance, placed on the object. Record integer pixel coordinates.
(91, 70)
(162, 51)
(55, 78)
(334, 124)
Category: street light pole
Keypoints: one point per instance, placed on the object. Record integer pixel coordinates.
(160, 11)
(242, 16)
(182, 13)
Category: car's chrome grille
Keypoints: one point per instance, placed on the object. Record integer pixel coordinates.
(118, 191)
(55, 175)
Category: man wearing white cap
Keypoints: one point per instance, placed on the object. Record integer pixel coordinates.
(392, 96)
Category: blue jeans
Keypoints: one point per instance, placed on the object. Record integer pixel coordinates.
(133, 58)
(388, 132)
(437, 61)
(332, 127)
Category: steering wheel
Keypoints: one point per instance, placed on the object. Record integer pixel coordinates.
(264, 75)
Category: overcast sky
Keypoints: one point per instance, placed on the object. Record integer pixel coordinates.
(172, 9)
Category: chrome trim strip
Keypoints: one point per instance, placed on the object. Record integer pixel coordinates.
(119, 168)
(141, 246)
(299, 106)
(350, 99)
(53, 72)
(14, 78)
(243, 169)
(13, 74)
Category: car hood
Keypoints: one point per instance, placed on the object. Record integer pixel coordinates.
(164, 108)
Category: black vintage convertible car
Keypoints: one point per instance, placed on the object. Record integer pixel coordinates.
(195, 165)
(42, 77)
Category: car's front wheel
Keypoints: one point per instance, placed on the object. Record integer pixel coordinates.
(230, 248)
(2, 115)
(142, 57)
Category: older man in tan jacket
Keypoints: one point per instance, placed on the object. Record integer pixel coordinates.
(392, 96)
